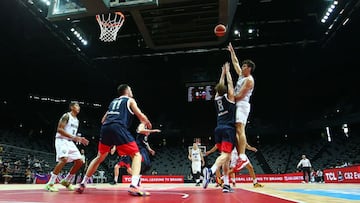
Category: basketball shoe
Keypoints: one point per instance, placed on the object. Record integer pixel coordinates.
(67, 184)
(207, 177)
(256, 185)
(227, 189)
(51, 188)
(240, 164)
(81, 189)
(136, 191)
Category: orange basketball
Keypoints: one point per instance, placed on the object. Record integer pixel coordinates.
(220, 30)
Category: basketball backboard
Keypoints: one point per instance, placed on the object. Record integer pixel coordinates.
(70, 9)
(202, 149)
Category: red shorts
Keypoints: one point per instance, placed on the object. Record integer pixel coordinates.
(224, 146)
(125, 149)
(123, 164)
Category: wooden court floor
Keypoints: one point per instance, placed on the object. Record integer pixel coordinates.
(189, 193)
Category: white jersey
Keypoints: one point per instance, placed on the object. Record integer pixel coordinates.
(240, 82)
(71, 127)
(196, 161)
(304, 163)
(195, 155)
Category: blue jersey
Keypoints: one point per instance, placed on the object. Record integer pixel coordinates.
(119, 112)
(141, 140)
(225, 110)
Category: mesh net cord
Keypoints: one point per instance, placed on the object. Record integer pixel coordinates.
(109, 26)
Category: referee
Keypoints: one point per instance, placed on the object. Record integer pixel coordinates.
(305, 165)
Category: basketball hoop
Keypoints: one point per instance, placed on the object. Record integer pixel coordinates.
(110, 26)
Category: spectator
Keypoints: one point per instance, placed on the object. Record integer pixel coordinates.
(37, 166)
(340, 176)
(154, 172)
(319, 176)
(28, 175)
(312, 175)
(6, 173)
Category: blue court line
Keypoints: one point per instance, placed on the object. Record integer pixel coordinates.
(349, 194)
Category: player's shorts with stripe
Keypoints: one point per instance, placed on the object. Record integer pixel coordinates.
(225, 137)
(242, 112)
(66, 148)
(116, 134)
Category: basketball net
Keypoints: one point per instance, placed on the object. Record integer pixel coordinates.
(109, 25)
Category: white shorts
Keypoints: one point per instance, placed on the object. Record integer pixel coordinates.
(242, 112)
(66, 148)
(196, 167)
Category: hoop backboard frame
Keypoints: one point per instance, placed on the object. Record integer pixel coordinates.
(73, 9)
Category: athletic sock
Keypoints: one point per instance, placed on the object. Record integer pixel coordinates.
(69, 177)
(255, 181)
(85, 180)
(213, 169)
(135, 180)
(226, 180)
(52, 178)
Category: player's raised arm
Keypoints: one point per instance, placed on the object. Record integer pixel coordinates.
(229, 81)
(234, 59)
(222, 78)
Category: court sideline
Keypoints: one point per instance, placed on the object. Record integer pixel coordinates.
(189, 193)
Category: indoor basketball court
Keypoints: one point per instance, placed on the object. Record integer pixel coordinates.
(176, 193)
(103, 30)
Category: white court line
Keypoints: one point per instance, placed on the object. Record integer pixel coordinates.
(184, 195)
(277, 196)
(152, 190)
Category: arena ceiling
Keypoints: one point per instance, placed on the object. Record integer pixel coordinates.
(173, 26)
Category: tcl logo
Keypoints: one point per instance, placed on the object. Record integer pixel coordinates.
(330, 176)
